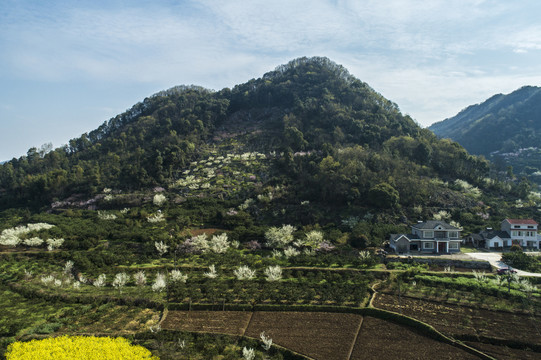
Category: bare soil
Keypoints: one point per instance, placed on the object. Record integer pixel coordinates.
(380, 339)
(458, 320)
(324, 336)
(220, 322)
(504, 353)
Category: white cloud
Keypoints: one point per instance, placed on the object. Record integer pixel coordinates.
(432, 58)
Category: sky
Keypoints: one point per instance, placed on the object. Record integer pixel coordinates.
(68, 66)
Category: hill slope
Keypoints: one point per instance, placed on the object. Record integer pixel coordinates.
(503, 126)
(325, 136)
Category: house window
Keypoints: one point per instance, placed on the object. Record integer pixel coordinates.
(428, 245)
(453, 234)
(514, 233)
(429, 234)
(505, 243)
(453, 245)
(517, 226)
(496, 244)
(520, 233)
(530, 227)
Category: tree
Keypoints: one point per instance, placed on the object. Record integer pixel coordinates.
(121, 279)
(273, 273)
(243, 272)
(279, 237)
(383, 195)
(161, 247)
(295, 138)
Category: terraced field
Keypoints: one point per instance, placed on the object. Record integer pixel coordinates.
(459, 321)
(320, 335)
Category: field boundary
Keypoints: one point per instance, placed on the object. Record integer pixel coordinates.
(500, 342)
(387, 292)
(30, 293)
(356, 338)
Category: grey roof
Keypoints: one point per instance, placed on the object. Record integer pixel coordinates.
(432, 224)
(410, 237)
(491, 234)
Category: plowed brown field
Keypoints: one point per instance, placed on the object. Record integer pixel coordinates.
(322, 336)
(455, 320)
(325, 336)
(218, 322)
(380, 339)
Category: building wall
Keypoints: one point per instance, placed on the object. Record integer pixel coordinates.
(402, 245)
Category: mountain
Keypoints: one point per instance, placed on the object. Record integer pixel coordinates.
(313, 131)
(504, 128)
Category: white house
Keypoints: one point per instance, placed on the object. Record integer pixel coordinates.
(523, 232)
(432, 236)
(513, 231)
(492, 239)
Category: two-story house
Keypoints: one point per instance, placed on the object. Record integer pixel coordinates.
(432, 236)
(522, 232)
(513, 231)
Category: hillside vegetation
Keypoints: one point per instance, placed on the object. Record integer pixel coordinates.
(505, 128)
(324, 132)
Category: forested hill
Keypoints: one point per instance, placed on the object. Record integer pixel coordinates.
(503, 123)
(323, 135)
(505, 128)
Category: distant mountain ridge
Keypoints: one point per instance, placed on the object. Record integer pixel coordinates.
(503, 123)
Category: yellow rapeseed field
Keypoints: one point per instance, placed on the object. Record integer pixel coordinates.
(78, 348)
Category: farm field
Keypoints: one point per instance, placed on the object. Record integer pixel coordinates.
(457, 320)
(317, 335)
(504, 352)
(321, 335)
(380, 339)
(219, 322)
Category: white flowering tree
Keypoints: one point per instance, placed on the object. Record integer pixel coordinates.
(211, 274)
(159, 199)
(100, 281)
(68, 268)
(219, 243)
(160, 283)
(33, 242)
(103, 215)
(178, 276)
(47, 280)
(311, 240)
(140, 278)
(156, 218)
(200, 242)
(12, 236)
(243, 272)
(273, 273)
(53, 244)
(267, 341)
(161, 247)
(248, 353)
(290, 251)
(120, 280)
(279, 237)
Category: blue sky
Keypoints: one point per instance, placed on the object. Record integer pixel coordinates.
(68, 66)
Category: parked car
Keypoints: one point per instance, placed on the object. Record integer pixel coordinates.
(504, 271)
